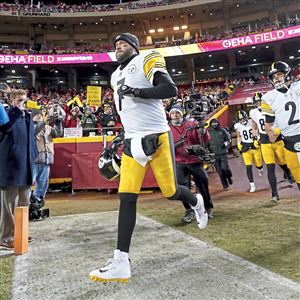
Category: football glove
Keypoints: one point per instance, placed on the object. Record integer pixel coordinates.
(256, 144)
(276, 131)
(240, 147)
(125, 90)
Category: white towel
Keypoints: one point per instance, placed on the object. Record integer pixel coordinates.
(138, 152)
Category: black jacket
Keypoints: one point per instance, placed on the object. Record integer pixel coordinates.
(18, 150)
(217, 139)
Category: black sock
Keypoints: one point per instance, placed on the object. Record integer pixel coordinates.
(284, 168)
(185, 195)
(127, 219)
(186, 205)
(249, 173)
(272, 178)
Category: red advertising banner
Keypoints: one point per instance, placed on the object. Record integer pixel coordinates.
(252, 39)
(55, 59)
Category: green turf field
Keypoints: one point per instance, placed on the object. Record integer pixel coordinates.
(254, 229)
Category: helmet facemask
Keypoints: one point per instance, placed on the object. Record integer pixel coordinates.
(280, 76)
(242, 117)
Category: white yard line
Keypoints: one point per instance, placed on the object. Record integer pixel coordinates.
(286, 213)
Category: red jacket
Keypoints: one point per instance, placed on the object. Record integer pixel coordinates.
(193, 138)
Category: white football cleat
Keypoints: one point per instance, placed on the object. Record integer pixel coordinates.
(117, 269)
(252, 187)
(200, 212)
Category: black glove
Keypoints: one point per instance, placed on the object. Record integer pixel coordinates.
(125, 90)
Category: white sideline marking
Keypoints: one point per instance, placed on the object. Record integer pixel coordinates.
(286, 213)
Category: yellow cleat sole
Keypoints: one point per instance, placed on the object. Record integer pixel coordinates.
(103, 280)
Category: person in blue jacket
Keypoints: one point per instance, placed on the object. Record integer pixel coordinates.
(18, 153)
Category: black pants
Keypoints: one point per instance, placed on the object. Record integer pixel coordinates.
(183, 173)
(223, 170)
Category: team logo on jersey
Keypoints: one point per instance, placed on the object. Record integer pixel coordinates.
(297, 146)
(131, 69)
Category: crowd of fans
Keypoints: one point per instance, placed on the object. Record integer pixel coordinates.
(70, 107)
(106, 47)
(61, 7)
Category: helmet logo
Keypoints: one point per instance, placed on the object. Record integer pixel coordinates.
(297, 146)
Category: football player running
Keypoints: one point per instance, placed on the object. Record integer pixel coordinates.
(248, 146)
(282, 106)
(271, 152)
(139, 83)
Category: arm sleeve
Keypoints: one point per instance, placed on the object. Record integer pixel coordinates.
(163, 88)
(270, 119)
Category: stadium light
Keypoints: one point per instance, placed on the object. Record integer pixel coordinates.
(202, 70)
(176, 27)
(25, 67)
(151, 30)
(291, 57)
(184, 27)
(160, 30)
(13, 71)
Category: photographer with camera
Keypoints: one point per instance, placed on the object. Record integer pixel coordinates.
(56, 112)
(219, 144)
(44, 134)
(18, 153)
(186, 133)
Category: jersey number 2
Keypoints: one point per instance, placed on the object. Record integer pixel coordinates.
(292, 119)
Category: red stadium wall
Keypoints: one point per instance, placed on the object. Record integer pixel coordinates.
(76, 160)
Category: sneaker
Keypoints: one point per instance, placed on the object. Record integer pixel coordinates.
(275, 198)
(7, 245)
(252, 187)
(189, 216)
(230, 180)
(117, 269)
(210, 213)
(200, 212)
(260, 172)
